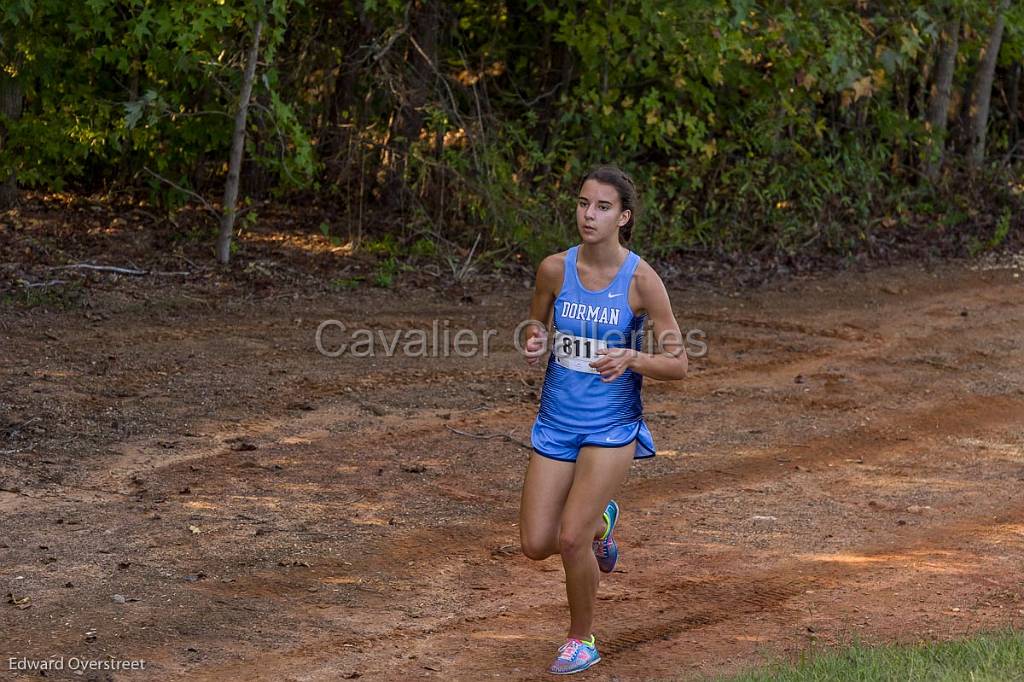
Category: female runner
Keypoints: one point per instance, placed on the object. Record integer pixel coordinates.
(597, 297)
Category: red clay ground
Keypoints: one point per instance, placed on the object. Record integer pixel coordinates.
(847, 461)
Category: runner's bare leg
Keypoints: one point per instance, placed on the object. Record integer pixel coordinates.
(599, 473)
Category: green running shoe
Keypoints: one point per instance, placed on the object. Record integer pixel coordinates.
(605, 548)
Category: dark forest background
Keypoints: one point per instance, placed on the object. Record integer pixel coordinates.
(435, 129)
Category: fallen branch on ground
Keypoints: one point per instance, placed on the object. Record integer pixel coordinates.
(112, 268)
(508, 437)
(52, 283)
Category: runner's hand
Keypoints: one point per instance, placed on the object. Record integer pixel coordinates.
(536, 347)
(613, 362)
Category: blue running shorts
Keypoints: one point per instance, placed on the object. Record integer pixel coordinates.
(554, 443)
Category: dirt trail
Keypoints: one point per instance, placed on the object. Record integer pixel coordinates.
(847, 461)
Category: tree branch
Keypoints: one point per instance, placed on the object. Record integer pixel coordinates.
(209, 207)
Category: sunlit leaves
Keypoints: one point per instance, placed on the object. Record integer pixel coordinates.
(153, 84)
(768, 115)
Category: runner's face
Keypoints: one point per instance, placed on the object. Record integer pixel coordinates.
(599, 213)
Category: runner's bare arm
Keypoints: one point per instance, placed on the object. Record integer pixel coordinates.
(549, 281)
(669, 364)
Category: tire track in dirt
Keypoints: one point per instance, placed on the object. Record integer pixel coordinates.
(688, 605)
(670, 607)
(874, 444)
(981, 414)
(694, 605)
(843, 331)
(867, 347)
(736, 597)
(763, 465)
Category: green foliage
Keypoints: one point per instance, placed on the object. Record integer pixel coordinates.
(293, 160)
(748, 125)
(138, 85)
(346, 283)
(1002, 229)
(387, 246)
(999, 234)
(325, 230)
(423, 248)
(387, 270)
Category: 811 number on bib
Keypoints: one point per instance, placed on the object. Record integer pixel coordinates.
(576, 347)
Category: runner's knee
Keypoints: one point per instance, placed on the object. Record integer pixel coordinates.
(535, 548)
(572, 541)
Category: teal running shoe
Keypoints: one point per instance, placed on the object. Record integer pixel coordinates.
(575, 656)
(605, 548)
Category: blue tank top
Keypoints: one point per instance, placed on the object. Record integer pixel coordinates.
(579, 402)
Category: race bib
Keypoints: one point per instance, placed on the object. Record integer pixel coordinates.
(577, 352)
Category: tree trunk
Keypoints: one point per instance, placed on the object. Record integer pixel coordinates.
(1014, 105)
(938, 103)
(425, 23)
(10, 109)
(227, 223)
(982, 94)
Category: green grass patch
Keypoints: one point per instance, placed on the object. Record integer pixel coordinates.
(993, 657)
(344, 283)
(387, 269)
(64, 296)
